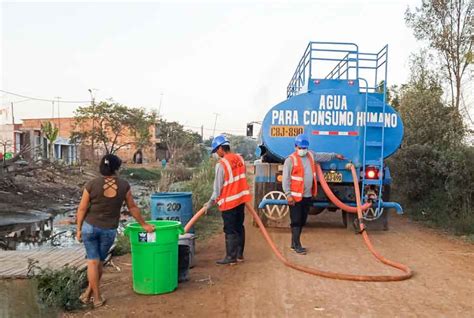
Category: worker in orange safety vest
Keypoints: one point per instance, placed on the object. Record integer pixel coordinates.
(231, 192)
(300, 185)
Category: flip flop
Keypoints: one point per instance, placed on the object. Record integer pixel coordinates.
(84, 299)
(99, 303)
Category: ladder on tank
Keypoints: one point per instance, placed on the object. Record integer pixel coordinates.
(350, 67)
(376, 139)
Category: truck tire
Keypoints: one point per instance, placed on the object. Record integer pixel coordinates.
(344, 218)
(315, 210)
(350, 222)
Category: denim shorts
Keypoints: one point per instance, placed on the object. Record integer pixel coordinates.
(97, 241)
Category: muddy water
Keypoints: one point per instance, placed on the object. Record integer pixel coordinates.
(18, 299)
(62, 234)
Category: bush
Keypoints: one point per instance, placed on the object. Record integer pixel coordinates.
(201, 185)
(58, 288)
(122, 245)
(190, 156)
(173, 174)
(433, 173)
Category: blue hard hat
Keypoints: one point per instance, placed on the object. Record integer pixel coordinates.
(219, 141)
(302, 141)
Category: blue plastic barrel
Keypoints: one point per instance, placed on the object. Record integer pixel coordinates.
(175, 206)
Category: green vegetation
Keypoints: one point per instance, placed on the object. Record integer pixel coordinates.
(111, 125)
(141, 174)
(243, 145)
(184, 146)
(58, 288)
(122, 245)
(433, 171)
(51, 133)
(201, 185)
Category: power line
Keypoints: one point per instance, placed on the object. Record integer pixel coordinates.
(217, 128)
(44, 99)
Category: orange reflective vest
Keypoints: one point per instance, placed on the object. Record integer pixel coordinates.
(297, 176)
(235, 190)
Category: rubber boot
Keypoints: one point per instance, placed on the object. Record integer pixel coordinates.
(241, 246)
(295, 240)
(293, 237)
(300, 229)
(231, 245)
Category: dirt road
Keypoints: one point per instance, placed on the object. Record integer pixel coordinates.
(443, 285)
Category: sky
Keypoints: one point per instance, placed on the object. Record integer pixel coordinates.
(195, 58)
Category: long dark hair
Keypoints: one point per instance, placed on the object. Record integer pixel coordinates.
(109, 164)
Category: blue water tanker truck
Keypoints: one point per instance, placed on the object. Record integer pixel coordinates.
(337, 97)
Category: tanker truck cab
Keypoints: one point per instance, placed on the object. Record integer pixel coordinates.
(337, 97)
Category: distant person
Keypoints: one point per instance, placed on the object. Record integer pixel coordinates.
(231, 192)
(163, 163)
(98, 217)
(138, 157)
(299, 185)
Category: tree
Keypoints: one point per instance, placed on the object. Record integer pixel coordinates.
(427, 120)
(433, 171)
(115, 126)
(181, 144)
(243, 145)
(51, 133)
(447, 26)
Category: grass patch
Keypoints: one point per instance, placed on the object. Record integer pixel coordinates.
(141, 174)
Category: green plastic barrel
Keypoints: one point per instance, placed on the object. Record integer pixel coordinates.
(155, 257)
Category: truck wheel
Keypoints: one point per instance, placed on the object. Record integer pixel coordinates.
(344, 218)
(350, 222)
(315, 211)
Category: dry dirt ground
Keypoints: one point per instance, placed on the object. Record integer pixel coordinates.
(40, 188)
(443, 285)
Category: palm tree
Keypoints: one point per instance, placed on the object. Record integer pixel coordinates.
(51, 133)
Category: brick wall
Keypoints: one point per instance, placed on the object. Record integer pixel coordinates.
(66, 127)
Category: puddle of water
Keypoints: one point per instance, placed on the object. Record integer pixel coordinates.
(18, 299)
(61, 235)
(63, 230)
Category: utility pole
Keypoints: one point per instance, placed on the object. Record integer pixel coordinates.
(59, 116)
(13, 115)
(93, 122)
(215, 122)
(161, 101)
(202, 133)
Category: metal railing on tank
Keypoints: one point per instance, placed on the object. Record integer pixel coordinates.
(373, 64)
(340, 52)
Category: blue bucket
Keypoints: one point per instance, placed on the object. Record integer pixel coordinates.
(175, 206)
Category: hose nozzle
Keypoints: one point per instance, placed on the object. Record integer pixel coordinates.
(349, 166)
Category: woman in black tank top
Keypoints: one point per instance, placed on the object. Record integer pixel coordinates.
(98, 216)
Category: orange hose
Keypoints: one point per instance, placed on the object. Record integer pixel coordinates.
(193, 220)
(332, 196)
(361, 278)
